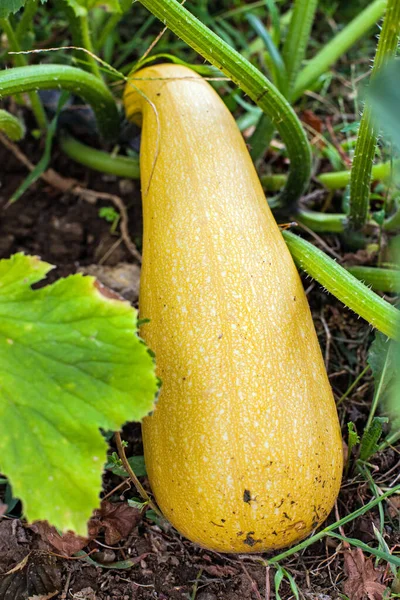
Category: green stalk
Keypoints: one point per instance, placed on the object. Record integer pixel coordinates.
(333, 181)
(20, 60)
(297, 38)
(47, 77)
(122, 166)
(272, 183)
(327, 530)
(12, 127)
(87, 43)
(344, 286)
(251, 81)
(26, 21)
(111, 24)
(317, 221)
(381, 280)
(367, 139)
(355, 30)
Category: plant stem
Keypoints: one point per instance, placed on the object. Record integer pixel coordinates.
(122, 166)
(20, 60)
(87, 43)
(111, 24)
(344, 286)
(11, 126)
(335, 181)
(26, 21)
(297, 37)
(132, 476)
(83, 84)
(251, 81)
(367, 139)
(332, 181)
(317, 221)
(327, 530)
(355, 30)
(353, 385)
(381, 280)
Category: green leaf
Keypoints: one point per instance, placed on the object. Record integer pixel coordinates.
(370, 438)
(136, 463)
(354, 438)
(71, 363)
(382, 360)
(7, 7)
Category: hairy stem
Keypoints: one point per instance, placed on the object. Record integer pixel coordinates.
(296, 42)
(83, 84)
(381, 280)
(344, 286)
(368, 133)
(122, 166)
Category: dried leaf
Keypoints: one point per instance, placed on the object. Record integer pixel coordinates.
(220, 570)
(363, 579)
(310, 118)
(67, 544)
(117, 520)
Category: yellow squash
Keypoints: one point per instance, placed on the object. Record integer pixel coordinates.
(243, 450)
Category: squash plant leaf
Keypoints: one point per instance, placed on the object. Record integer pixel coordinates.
(71, 363)
(8, 7)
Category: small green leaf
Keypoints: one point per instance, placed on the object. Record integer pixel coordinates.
(136, 462)
(71, 363)
(354, 438)
(370, 438)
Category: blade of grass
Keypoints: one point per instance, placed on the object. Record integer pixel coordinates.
(338, 46)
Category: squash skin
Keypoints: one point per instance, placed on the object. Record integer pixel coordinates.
(243, 450)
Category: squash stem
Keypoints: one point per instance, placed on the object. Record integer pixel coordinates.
(354, 31)
(251, 81)
(333, 181)
(381, 280)
(25, 79)
(140, 489)
(297, 38)
(87, 43)
(121, 166)
(367, 139)
(20, 60)
(317, 221)
(11, 126)
(329, 530)
(344, 286)
(26, 21)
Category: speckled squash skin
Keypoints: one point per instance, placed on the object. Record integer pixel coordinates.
(243, 450)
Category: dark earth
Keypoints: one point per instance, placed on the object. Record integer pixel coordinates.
(68, 232)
